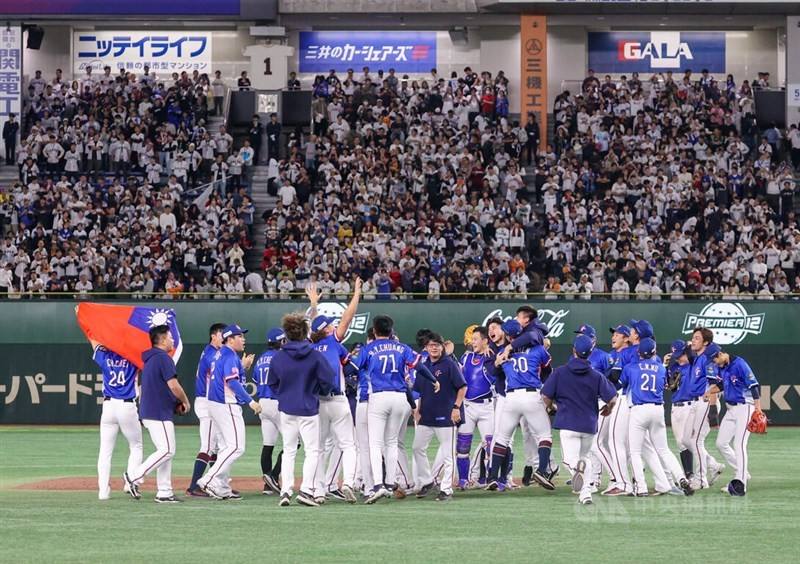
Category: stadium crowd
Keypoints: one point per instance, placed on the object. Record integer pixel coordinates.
(650, 190)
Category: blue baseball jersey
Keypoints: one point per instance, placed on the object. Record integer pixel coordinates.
(226, 366)
(334, 354)
(479, 374)
(386, 362)
(204, 371)
(601, 361)
(524, 368)
(261, 374)
(737, 380)
(684, 391)
(362, 392)
(645, 381)
(119, 375)
(703, 370)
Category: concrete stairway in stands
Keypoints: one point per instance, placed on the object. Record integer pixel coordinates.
(263, 202)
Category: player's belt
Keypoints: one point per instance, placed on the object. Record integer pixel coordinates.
(335, 394)
(735, 403)
(107, 398)
(523, 390)
(690, 402)
(480, 400)
(647, 403)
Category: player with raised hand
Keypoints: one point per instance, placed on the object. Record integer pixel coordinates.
(270, 417)
(477, 365)
(335, 419)
(616, 455)
(524, 370)
(119, 414)
(226, 395)
(208, 433)
(386, 361)
(646, 380)
(576, 388)
(743, 414)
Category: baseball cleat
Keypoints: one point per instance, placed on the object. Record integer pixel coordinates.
(349, 494)
(168, 499)
(234, 496)
(577, 477)
(132, 489)
(286, 500)
(271, 483)
(544, 481)
(306, 499)
(211, 492)
(425, 490)
(614, 492)
(687, 489)
(104, 495)
(319, 500)
(502, 486)
(442, 496)
(492, 485)
(266, 491)
(675, 491)
(587, 500)
(196, 492)
(641, 494)
(399, 493)
(714, 474)
(554, 472)
(527, 473)
(463, 485)
(377, 493)
(338, 495)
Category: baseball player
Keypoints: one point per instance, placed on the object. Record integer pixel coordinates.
(524, 370)
(298, 376)
(645, 380)
(742, 393)
(270, 417)
(438, 412)
(386, 361)
(226, 395)
(160, 392)
(696, 426)
(614, 450)
(679, 380)
(576, 388)
(362, 428)
(119, 414)
(208, 435)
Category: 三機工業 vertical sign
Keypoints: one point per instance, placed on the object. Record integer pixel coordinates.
(533, 72)
(10, 73)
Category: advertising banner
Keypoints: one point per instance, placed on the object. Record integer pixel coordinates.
(10, 72)
(162, 51)
(121, 7)
(623, 52)
(404, 51)
(48, 375)
(533, 71)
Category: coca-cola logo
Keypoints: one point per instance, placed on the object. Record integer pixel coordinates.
(554, 319)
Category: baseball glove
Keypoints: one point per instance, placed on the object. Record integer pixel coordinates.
(673, 380)
(758, 423)
(468, 335)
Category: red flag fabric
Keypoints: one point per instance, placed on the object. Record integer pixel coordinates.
(125, 329)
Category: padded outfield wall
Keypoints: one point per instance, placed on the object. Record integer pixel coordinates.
(47, 375)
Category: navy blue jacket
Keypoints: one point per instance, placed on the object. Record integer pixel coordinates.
(297, 376)
(576, 387)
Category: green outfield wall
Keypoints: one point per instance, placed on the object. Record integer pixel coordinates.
(47, 375)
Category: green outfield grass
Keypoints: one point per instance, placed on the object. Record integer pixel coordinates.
(528, 525)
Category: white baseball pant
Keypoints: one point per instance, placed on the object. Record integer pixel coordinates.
(521, 405)
(336, 424)
(362, 442)
(499, 409)
(575, 447)
(230, 425)
(118, 415)
(733, 430)
(601, 453)
(444, 464)
(482, 416)
(270, 421)
(209, 441)
(385, 416)
(690, 432)
(162, 433)
(305, 427)
(648, 420)
(406, 477)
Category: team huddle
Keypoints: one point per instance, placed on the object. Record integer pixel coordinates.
(350, 410)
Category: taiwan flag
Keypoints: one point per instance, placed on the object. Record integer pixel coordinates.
(125, 329)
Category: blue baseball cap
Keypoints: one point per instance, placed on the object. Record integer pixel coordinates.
(275, 335)
(232, 331)
(712, 350)
(647, 347)
(587, 330)
(678, 348)
(321, 322)
(512, 328)
(643, 327)
(622, 330)
(583, 346)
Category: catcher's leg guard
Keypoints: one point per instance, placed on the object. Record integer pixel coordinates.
(463, 442)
